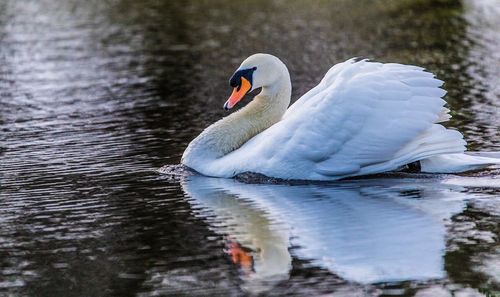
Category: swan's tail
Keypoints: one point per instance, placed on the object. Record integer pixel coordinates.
(456, 163)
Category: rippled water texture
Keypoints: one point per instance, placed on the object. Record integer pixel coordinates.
(95, 96)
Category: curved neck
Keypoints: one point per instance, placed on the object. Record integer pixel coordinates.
(231, 132)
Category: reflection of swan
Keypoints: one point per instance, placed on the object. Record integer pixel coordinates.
(366, 231)
(363, 118)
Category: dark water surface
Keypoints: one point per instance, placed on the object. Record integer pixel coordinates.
(95, 96)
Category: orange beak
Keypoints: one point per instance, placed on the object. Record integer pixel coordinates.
(238, 93)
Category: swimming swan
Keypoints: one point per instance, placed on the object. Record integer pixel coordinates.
(362, 118)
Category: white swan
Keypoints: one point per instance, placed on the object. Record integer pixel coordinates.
(362, 118)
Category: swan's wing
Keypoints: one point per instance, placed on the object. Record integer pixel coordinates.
(363, 117)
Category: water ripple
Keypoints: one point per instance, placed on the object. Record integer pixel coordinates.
(95, 96)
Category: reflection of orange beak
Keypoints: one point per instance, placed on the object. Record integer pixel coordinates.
(238, 93)
(241, 257)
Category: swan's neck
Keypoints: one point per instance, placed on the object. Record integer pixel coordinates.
(231, 132)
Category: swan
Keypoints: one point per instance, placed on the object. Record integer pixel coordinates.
(363, 118)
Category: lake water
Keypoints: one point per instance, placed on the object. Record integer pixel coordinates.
(96, 96)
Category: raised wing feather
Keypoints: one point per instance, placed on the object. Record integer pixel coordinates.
(363, 117)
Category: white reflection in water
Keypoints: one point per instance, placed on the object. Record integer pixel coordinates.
(367, 231)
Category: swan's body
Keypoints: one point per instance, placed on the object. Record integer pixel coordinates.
(362, 118)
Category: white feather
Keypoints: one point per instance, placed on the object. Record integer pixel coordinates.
(362, 118)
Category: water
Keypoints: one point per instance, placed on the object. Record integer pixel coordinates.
(95, 96)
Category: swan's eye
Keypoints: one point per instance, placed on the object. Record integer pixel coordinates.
(247, 74)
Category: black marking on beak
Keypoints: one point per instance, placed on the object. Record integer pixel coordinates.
(235, 80)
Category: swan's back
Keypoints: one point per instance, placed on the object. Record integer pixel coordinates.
(362, 118)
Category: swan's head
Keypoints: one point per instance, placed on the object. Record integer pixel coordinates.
(257, 71)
